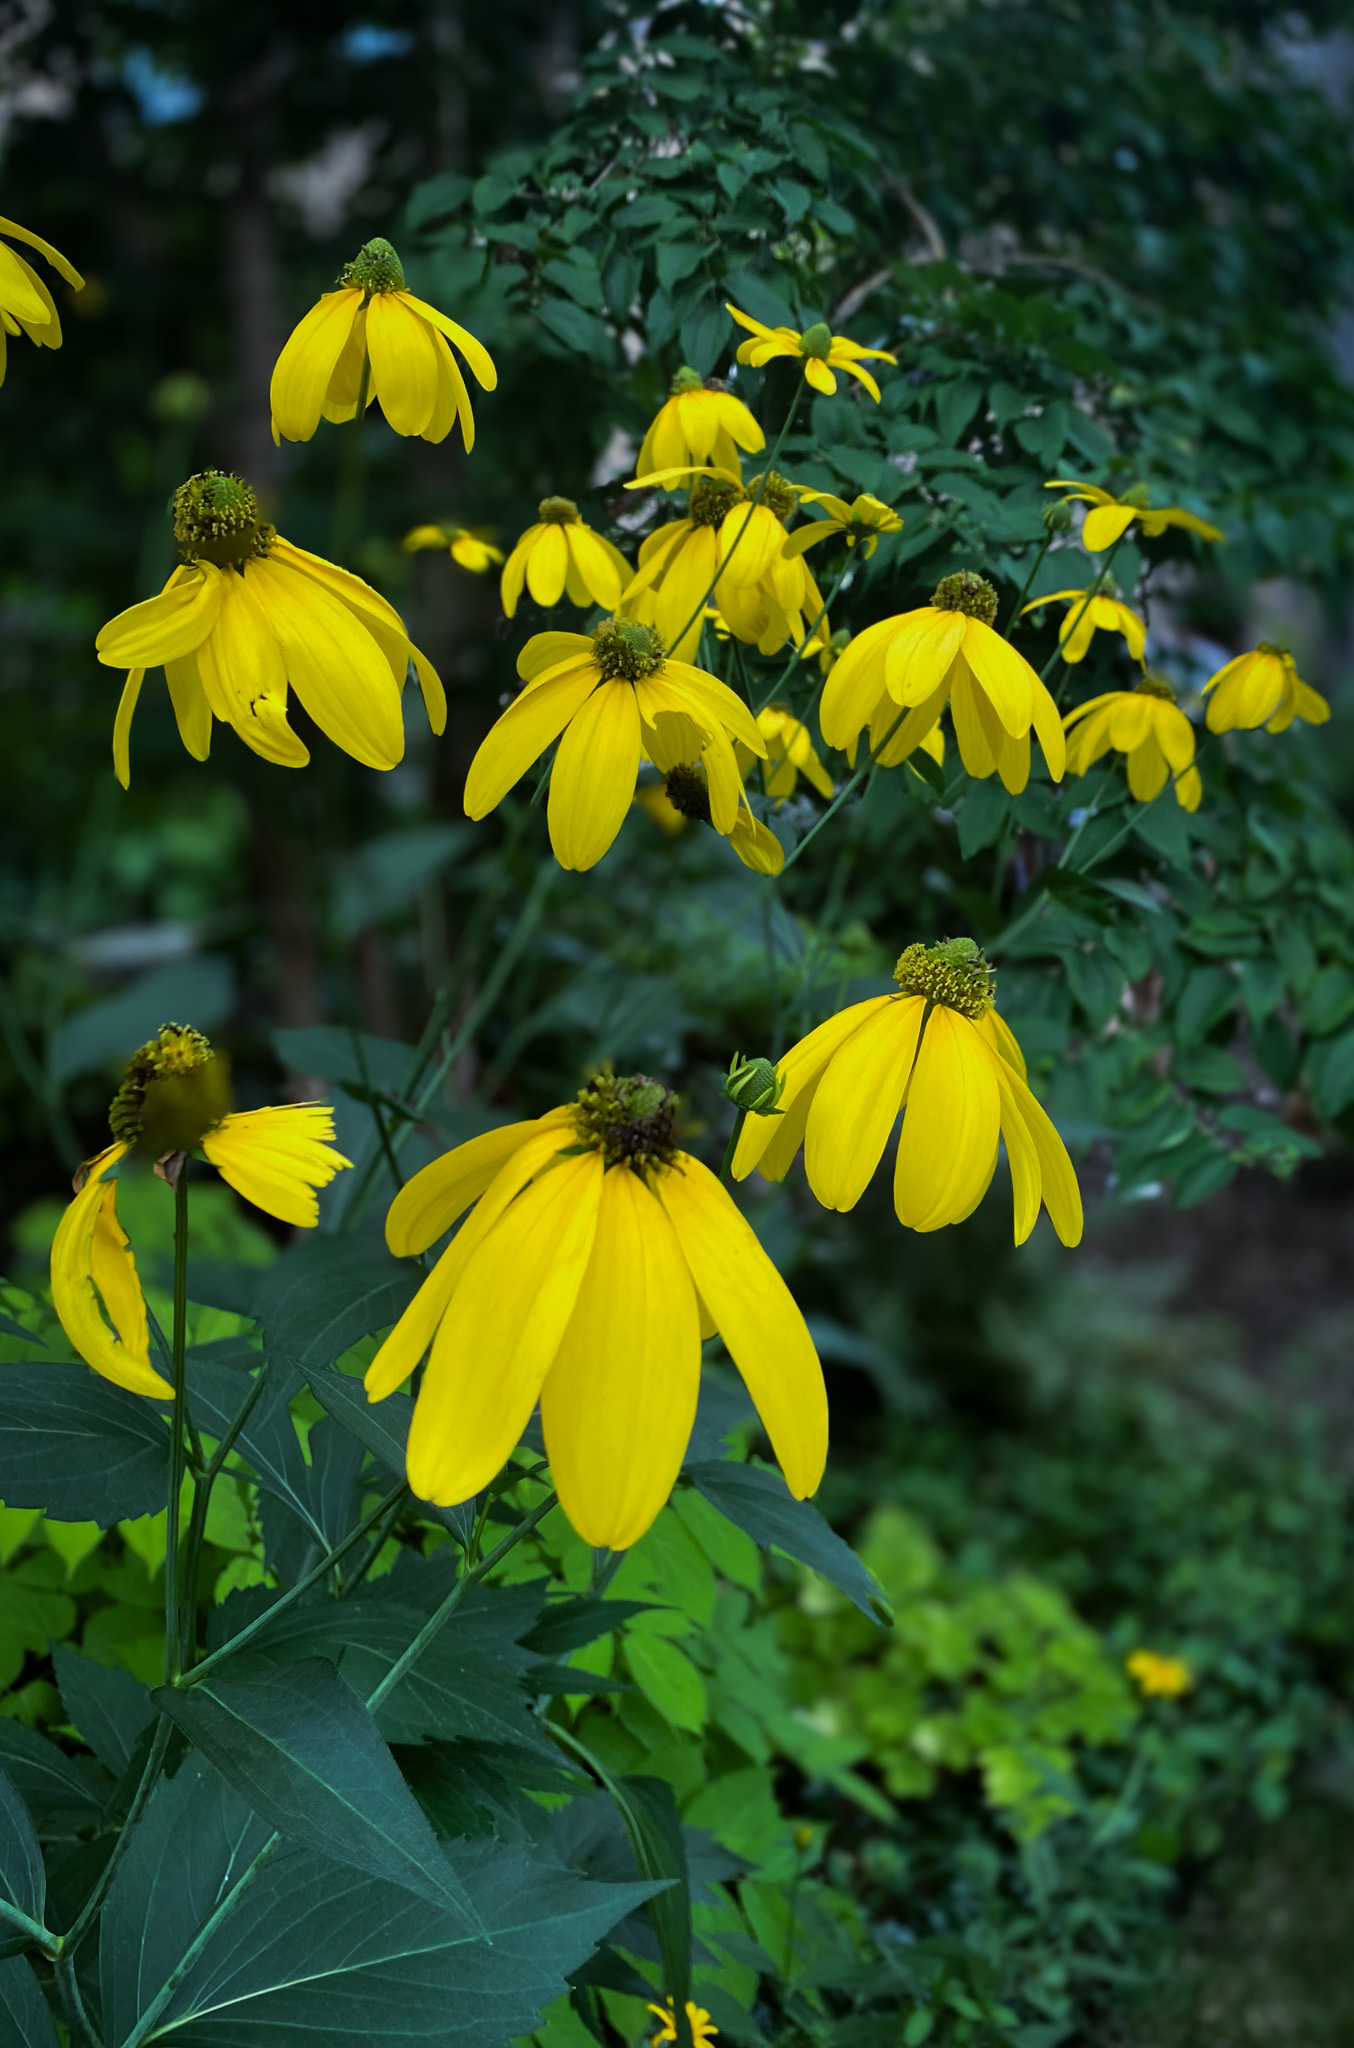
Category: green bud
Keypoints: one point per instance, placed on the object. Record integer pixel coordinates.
(1058, 517)
(375, 268)
(817, 340)
(754, 1086)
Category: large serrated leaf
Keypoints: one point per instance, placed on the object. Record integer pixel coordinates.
(761, 1503)
(108, 1708)
(48, 1780)
(79, 1447)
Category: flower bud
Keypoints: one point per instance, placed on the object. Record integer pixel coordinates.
(754, 1086)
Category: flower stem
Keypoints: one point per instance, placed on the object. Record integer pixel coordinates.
(178, 1355)
(783, 678)
(844, 792)
(739, 1120)
(195, 1947)
(352, 477)
(1065, 637)
(1014, 612)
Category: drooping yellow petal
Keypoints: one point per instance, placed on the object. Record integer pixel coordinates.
(857, 1102)
(547, 563)
(595, 565)
(192, 712)
(277, 1157)
(593, 780)
(1057, 1176)
(164, 627)
(758, 1318)
(19, 292)
(430, 1203)
(122, 726)
(951, 1127)
(1103, 526)
(92, 1215)
(1004, 677)
(58, 262)
(303, 371)
(404, 367)
(920, 652)
(476, 354)
(334, 665)
(855, 684)
(500, 1336)
(618, 1403)
(533, 722)
(770, 1142)
(1003, 1040)
(244, 676)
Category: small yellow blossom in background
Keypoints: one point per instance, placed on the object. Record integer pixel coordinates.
(790, 753)
(688, 789)
(26, 305)
(698, 423)
(1158, 1677)
(1087, 614)
(610, 697)
(596, 1256)
(469, 545)
(1111, 516)
(1262, 688)
(702, 2031)
(939, 1047)
(1145, 724)
(818, 348)
(862, 521)
(175, 1097)
(371, 339)
(946, 651)
(246, 616)
(562, 554)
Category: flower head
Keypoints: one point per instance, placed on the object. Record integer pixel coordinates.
(687, 789)
(1158, 1677)
(860, 522)
(818, 348)
(1089, 612)
(610, 697)
(596, 1253)
(468, 545)
(947, 650)
(1148, 726)
(26, 305)
(702, 2032)
(248, 614)
(938, 1051)
(175, 1099)
(370, 338)
(1110, 516)
(1262, 688)
(790, 753)
(561, 553)
(699, 422)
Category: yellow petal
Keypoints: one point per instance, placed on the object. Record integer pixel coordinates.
(334, 665)
(619, 1401)
(1103, 526)
(404, 368)
(549, 650)
(1057, 1175)
(164, 627)
(307, 363)
(1004, 677)
(500, 1337)
(124, 1359)
(476, 354)
(122, 726)
(547, 564)
(858, 1100)
(761, 1325)
(533, 722)
(192, 713)
(1002, 1040)
(596, 566)
(766, 1140)
(244, 677)
(54, 256)
(277, 1157)
(592, 782)
(855, 684)
(950, 1129)
(921, 652)
(19, 292)
(430, 1203)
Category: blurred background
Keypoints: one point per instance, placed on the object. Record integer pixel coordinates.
(1150, 198)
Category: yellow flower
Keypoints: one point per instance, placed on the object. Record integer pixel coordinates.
(1086, 615)
(1146, 725)
(702, 2032)
(614, 695)
(1159, 1677)
(863, 520)
(947, 649)
(818, 348)
(563, 554)
(765, 595)
(652, 798)
(26, 305)
(1262, 688)
(596, 1256)
(1113, 516)
(939, 1050)
(687, 786)
(790, 753)
(245, 615)
(468, 545)
(175, 1098)
(699, 423)
(371, 323)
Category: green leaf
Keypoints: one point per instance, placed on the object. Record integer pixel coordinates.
(677, 260)
(338, 1055)
(23, 1879)
(568, 1624)
(49, 1781)
(312, 1952)
(705, 336)
(983, 816)
(649, 1810)
(431, 202)
(79, 1447)
(319, 1492)
(580, 331)
(9, 1328)
(108, 1708)
(669, 1680)
(109, 1032)
(1330, 1067)
(327, 1292)
(300, 1746)
(955, 406)
(760, 1502)
(382, 1428)
(23, 2010)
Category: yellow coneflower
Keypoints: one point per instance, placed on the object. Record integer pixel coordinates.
(703, 2030)
(1262, 688)
(1110, 516)
(175, 1097)
(689, 787)
(818, 348)
(858, 524)
(562, 554)
(1147, 726)
(371, 339)
(595, 1256)
(1090, 612)
(947, 650)
(938, 1051)
(790, 753)
(699, 422)
(26, 305)
(246, 616)
(471, 546)
(1157, 1676)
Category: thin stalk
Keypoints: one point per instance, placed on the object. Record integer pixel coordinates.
(352, 479)
(197, 1521)
(1064, 638)
(79, 2025)
(374, 1106)
(197, 1944)
(178, 1357)
(40, 1936)
(739, 1120)
(442, 1615)
(288, 1599)
(844, 792)
(783, 678)
(1014, 612)
(372, 1551)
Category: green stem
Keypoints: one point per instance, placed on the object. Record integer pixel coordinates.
(88, 1912)
(783, 678)
(844, 792)
(40, 1936)
(372, 1551)
(1014, 612)
(352, 478)
(178, 1357)
(293, 1593)
(197, 1520)
(79, 2025)
(1064, 638)
(382, 1133)
(197, 1945)
(442, 1615)
(739, 1120)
